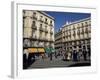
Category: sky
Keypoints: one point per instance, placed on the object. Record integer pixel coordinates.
(62, 17)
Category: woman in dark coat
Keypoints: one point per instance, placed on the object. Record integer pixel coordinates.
(74, 55)
(85, 55)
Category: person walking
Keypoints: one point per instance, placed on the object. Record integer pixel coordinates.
(69, 56)
(84, 54)
(50, 56)
(55, 54)
(79, 54)
(74, 55)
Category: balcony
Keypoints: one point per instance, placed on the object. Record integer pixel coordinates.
(46, 30)
(67, 36)
(42, 29)
(46, 39)
(34, 17)
(63, 36)
(41, 20)
(51, 24)
(74, 34)
(46, 22)
(34, 27)
(40, 38)
(51, 40)
(86, 25)
(33, 37)
(82, 32)
(78, 32)
(86, 30)
(51, 32)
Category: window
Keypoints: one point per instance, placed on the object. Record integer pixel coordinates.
(86, 30)
(34, 23)
(34, 16)
(41, 18)
(45, 19)
(74, 33)
(40, 25)
(78, 32)
(78, 26)
(82, 24)
(34, 13)
(50, 22)
(80, 46)
(86, 24)
(73, 27)
(82, 32)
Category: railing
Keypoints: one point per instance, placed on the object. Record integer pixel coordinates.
(41, 29)
(46, 22)
(51, 40)
(34, 27)
(41, 20)
(82, 32)
(74, 34)
(33, 37)
(51, 24)
(51, 32)
(34, 17)
(86, 30)
(46, 30)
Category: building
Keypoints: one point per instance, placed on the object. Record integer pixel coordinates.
(38, 29)
(75, 35)
(58, 40)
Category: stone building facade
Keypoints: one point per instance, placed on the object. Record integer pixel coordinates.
(75, 35)
(38, 29)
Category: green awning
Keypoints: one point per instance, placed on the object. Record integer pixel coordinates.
(49, 50)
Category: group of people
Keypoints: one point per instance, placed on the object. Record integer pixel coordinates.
(75, 55)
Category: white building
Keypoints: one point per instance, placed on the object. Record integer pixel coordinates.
(76, 35)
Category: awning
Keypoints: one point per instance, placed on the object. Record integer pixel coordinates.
(41, 50)
(32, 50)
(49, 50)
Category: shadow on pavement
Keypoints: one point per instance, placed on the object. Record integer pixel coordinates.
(80, 64)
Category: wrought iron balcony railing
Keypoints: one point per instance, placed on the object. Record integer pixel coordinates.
(42, 29)
(34, 27)
(41, 20)
(46, 22)
(46, 30)
(51, 24)
(34, 17)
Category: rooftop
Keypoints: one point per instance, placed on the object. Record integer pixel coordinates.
(77, 21)
(46, 14)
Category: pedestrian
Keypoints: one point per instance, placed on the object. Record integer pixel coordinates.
(79, 55)
(84, 54)
(89, 52)
(42, 55)
(68, 56)
(24, 59)
(50, 56)
(55, 54)
(74, 55)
